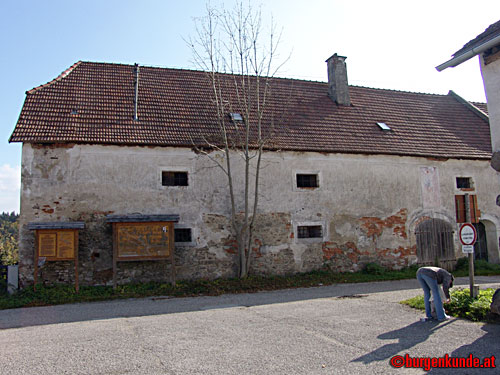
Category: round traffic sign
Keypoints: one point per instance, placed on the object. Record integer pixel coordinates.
(467, 234)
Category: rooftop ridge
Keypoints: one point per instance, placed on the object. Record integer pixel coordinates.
(469, 105)
(277, 78)
(58, 78)
(176, 106)
(398, 90)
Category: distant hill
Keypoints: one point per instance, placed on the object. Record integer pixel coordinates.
(9, 237)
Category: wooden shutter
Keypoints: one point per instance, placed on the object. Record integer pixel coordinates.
(474, 212)
(460, 209)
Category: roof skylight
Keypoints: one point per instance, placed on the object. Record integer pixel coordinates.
(383, 126)
(236, 116)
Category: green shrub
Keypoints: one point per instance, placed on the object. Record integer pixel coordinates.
(481, 267)
(374, 269)
(462, 264)
(9, 233)
(462, 305)
(3, 287)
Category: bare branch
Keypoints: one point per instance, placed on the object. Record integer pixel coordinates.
(231, 47)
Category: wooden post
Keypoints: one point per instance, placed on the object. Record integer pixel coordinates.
(473, 291)
(171, 239)
(35, 277)
(75, 246)
(115, 253)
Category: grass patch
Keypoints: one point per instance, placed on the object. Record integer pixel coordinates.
(463, 306)
(481, 268)
(61, 294)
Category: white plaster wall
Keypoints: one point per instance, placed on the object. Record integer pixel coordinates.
(491, 80)
(64, 183)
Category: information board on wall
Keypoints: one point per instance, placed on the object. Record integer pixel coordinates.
(47, 244)
(56, 244)
(144, 240)
(66, 244)
(55, 241)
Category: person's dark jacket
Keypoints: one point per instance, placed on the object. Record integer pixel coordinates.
(440, 275)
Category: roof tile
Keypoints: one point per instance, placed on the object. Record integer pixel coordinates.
(93, 103)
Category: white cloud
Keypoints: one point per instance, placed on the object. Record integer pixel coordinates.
(10, 185)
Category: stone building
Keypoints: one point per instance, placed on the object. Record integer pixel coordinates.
(353, 174)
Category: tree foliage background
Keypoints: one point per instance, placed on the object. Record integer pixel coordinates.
(9, 237)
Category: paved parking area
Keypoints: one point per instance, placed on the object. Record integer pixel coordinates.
(340, 329)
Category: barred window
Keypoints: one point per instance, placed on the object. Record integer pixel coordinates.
(309, 231)
(182, 234)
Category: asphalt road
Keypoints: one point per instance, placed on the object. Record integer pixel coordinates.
(338, 329)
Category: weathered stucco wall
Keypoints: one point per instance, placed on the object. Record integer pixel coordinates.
(491, 80)
(368, 207)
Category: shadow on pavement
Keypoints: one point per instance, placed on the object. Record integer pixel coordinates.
(407, 337)
(481, 349)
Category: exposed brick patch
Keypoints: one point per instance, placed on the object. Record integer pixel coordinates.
(347, 257)
(374, 226)
(231, 246)
(396, 258)
(421, 220)
(330, 249)
(256, 248)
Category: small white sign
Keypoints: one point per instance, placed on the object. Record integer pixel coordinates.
(468, 249)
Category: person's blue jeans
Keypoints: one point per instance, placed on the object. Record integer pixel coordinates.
(429, 284)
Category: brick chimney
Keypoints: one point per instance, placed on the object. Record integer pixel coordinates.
(338, 89)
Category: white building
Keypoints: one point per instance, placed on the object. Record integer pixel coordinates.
(369, 175)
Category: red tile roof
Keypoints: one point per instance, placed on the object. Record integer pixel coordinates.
(93, 103)
(491, 32)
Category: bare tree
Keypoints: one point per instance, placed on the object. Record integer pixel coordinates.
(239, 60)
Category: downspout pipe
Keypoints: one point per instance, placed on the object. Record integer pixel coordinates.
(469, 54)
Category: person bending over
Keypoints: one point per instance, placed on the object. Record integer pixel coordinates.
(430, 278)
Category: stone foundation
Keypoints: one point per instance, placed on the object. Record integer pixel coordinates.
(353, 243)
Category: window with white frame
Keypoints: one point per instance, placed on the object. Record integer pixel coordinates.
(310, 231)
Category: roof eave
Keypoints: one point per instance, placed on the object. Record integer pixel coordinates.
(457, 60)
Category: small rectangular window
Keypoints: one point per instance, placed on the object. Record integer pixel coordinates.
(174, 178)
(182, 234)
(309, 231)
(464, 183)
(307, 181)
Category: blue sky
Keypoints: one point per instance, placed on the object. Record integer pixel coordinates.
(389, 44)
